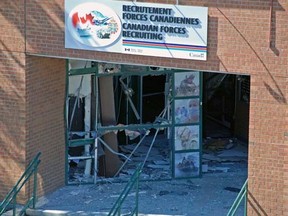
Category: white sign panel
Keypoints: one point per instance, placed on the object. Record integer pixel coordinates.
(137, 28)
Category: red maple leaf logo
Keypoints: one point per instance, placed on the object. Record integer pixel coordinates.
(76, 19)
(89, 17)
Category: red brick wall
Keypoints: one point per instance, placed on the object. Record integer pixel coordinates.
(238, 34)
(12, 25)
(12, 119)
(43, 101)
(12, 95)
(41, 92)
(45, 119)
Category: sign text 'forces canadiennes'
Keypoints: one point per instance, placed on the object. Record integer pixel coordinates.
(154, 15)
(149, 29)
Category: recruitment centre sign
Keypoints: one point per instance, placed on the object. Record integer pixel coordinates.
(137, 28)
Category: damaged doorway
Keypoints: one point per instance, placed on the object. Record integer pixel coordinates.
(119, 116)
(125, 115)
(226, 99)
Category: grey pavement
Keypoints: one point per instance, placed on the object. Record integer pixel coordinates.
(213, 194)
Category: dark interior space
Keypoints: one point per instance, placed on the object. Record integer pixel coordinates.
(218, 105)
(153, 97)
(226, 106)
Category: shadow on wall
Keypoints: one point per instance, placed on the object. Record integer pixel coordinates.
(13, 134)
(43, 18)
(12, 120)
(17, 146)
(13, 116)
(255, 205)
(11, 170)
(276, 92)
(52, 25)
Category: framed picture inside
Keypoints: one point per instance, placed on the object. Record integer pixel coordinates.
(186, 84)
(187, 137)
(187, 165)
(187, 111)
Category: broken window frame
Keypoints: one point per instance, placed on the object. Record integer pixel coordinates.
(76, 142)
(94, 70)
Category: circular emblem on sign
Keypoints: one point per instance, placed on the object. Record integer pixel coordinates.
(94, 24)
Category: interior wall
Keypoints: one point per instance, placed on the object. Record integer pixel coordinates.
(46, 81)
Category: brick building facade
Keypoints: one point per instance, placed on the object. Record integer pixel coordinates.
(244, 37)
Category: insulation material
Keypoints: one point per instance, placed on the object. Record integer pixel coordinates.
(75, 84)
(79, 64)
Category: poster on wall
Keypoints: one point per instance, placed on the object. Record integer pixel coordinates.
(186, 165)
(187, 137)
(186, 84)
(187, 111)
(149, 29)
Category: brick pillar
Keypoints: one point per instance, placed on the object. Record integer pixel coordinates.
(45, 119)
(12, 119)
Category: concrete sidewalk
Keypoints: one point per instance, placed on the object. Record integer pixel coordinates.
(213, 194)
